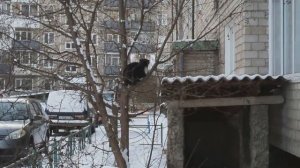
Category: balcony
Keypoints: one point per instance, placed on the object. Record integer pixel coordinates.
(111, 70)
(5, 69)
(137, 48)
(130, 3)
(26, 45)
(147, 25)
(130, 25)
(143, 48)
(111, 47)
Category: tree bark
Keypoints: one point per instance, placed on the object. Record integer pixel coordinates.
(124, 95)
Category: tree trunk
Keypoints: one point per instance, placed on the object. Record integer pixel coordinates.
(124, 96)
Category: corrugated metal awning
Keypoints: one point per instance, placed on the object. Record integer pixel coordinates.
(221, 86)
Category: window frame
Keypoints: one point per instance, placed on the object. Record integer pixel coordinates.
(229, 45)
(22, 80)
(70, 68)
(72, 45)
(20, 34)
(109, 59)
(283, 61)
(29, 12)
(47, 35)
(29, 54)
(94, 39)
(162, 19)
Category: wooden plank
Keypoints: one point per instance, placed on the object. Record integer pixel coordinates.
(232, 101)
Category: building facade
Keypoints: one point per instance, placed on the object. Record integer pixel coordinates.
(256, 37)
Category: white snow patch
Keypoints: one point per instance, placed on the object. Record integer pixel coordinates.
(125, 156)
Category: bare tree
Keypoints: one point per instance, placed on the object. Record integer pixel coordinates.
(64, 39)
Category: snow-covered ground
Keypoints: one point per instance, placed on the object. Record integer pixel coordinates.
(98, 153)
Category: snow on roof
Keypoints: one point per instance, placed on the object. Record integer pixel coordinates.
(193, 79)
(78, 80)
(66, 101)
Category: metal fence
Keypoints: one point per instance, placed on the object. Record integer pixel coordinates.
(50, 156)
(149, 131)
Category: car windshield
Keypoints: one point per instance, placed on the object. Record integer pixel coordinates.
(108, 96)
(10, 111)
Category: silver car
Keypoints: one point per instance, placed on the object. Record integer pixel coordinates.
(23, 126)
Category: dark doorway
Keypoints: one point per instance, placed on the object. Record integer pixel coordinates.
(280, 159)
(211, 138)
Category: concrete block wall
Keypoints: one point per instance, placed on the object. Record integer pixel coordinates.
(250, 19)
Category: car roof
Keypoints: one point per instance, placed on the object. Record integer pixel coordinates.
(66, 101)
(16, 99)
(22, 100)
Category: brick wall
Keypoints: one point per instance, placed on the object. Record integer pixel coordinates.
(250, 20)
(196, 63)
(285, 121)
(195, 58)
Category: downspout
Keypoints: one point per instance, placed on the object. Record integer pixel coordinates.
(181, 64)
(193, 19)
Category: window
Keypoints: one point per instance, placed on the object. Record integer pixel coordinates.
(47, 63)
(36, 108)
(162, 19)
(2, 84)
(216, 4)
(27, 57)
(47, 85)
(23, 84)
(5, 8)
(113, 37)
(161, 40)
(229, 49)
(4, 33)
(49, 13)
(70, 45)
(49, 38)
(70, 68)
(94, 39)
(94, 62)
(29, 10)
(112, 60)
(23, 35)
(284, 37)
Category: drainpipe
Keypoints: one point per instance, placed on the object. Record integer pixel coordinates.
(181, 64)
(193, 19)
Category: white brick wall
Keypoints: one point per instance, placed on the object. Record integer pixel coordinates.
(285, 121)
(251, 32)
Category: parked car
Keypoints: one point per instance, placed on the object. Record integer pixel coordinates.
(22, 127)
(68, 110)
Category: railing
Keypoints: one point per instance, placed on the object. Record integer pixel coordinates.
(64, 147)
(129, 4)
(26, 45)
(148, 26)
(111, 70)
(136, 48)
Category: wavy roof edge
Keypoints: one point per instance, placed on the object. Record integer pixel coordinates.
(215, 78)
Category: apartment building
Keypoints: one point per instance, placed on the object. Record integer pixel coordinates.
(36, 34)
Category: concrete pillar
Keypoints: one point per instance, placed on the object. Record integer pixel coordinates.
(259, 136)
(175, 155)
